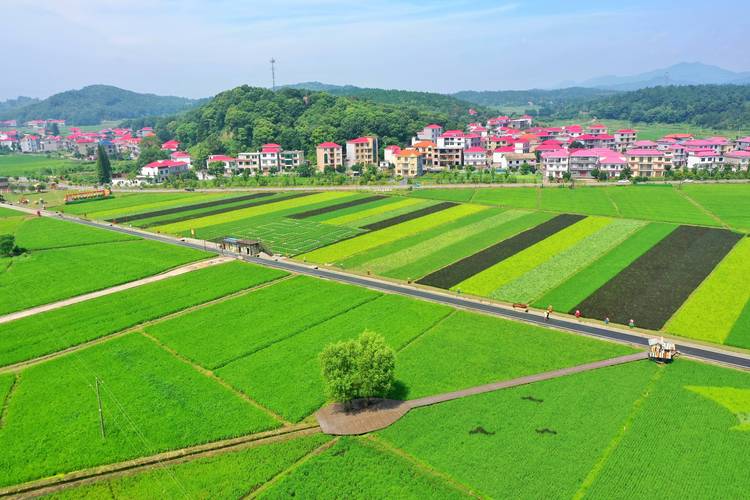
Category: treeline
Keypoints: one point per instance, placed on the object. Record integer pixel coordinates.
(427, 101)
(244, 118)
(93, 104)
(14, 104)
(713, 106)
(532, 97)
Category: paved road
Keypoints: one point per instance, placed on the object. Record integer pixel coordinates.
(716, 354)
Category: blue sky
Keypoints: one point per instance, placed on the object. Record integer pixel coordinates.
(197, 48)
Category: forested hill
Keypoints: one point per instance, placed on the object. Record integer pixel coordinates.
(533, 97)
(431, 101)
(715, 106)
(246, 117)
(17, 103)
(90, 105)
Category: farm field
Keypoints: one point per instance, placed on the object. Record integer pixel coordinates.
(17, 165)
(43, 276)
(151, 402)
(542, 441)
(51, 331)
(688, 204)
(231, 475)
(123, 204)
(714, 307)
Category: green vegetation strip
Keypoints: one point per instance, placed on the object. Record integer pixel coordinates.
(9, 212)
(238, 215)
(659, 203)
(380, 210)
(127, 204)
(368, 241)
(729, 202)
(561, 266)
(740, 334)
(573, 291)
(45, 276)
(285, 377)
(161, 221)
(537, 434)
(393, 254)
(504, 272)
(194, 206)
(151, 402)
(463, 269)
(416, 214)
(333, 208)
(227, 475)
(656, 284)
(459, 194)
(713, 309)
(359, 468)
(51, 331)
(41, 233)
(592, 201)
(227, 331)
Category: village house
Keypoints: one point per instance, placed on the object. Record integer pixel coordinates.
(228, 163)
(476, 156)
(159, 171)
(170, 145)
(362, 151)
(30, 144)
(704, 159)
(329, 155)
(181, 156)
(647, 162)
(270, 159)
(430, 133)
(555, 163)
(389, 154)
(738, 160)
(521, 123)
(427, 148)
(408, 163)
(583, 161)
(742, 143)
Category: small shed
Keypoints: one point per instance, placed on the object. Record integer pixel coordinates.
(661, 351)
(248, 247)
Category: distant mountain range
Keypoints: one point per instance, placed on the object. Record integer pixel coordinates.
(678, 74)
(93, 104)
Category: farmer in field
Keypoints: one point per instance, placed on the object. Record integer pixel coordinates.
(606, 320)
(578, 314)
(631, 323)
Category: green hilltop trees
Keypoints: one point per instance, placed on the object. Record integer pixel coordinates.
(359, 368)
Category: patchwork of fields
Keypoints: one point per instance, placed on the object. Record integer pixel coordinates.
(161, 358)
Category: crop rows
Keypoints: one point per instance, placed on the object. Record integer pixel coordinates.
(344, 249)
(713, 309)
(467, 267)
(416, 214)
(395, 206)
(58, 329)
(191, 207)
(559, 267)
(653, 287)
(566, 296)
(338, 206)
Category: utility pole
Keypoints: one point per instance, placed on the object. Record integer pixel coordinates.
(273, 74)
(99, 400)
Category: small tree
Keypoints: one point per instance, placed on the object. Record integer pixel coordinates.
(8, 246)
(361, 368)
(103, 166)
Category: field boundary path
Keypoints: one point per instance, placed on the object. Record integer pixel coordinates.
(711, 354)
(53, 484)
(336, 420)
(118, 288)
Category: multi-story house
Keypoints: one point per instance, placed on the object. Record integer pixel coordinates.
(476, 157)
(596, 129)
(362, 150)
(270, 159)
(430, 133)
(583, 161)
(159, 171)
(389, 154)
(427, 148)
(181, 156)
(742, 143)
(446, 158)
(555, 163)
(704, 159)
(172, 145)
(647, 162)
(738, 159)
(408, 163)
(645, 144)
(329, 155)
(597, 141)
(228, 163)
(521, 123)
(624, 138)
(30, 144)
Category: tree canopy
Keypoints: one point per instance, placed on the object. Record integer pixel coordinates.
(359, 368)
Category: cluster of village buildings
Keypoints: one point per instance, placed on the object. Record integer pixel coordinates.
(502, 144)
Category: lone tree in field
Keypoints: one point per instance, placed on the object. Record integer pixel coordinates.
(362, 368)
(103, 167)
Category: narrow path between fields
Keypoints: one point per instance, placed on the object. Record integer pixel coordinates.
(704, 209)
(108, 291)
(335, 419)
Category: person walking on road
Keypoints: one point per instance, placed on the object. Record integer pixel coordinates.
(547, 312)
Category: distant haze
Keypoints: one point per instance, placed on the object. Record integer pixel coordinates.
(196, 48)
